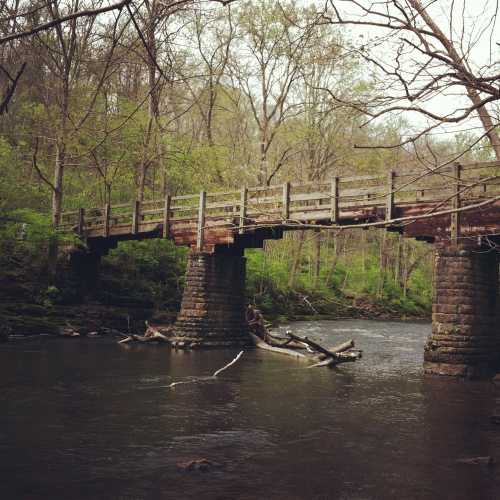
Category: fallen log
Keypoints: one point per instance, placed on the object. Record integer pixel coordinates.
(151, 334)
(68, 331)
(142, 338)
(277, 341)
(329, 353)
(279, 350)
(320, 356)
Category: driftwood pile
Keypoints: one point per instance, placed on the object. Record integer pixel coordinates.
(302, 348)
(308, 350)
(151, 334)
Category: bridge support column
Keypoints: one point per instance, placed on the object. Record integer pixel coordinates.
(465, 340)
(213, 305)
(85, 267)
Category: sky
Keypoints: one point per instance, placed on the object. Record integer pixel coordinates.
(472, 17)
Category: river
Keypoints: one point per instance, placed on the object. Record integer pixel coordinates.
(90, 419)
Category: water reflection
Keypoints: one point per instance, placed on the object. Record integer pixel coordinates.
(86, 419)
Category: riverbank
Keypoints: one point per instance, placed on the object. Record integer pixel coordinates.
(144, 280)
(21, 318)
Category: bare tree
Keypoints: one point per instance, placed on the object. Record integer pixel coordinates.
(266, 65)
(427, 61)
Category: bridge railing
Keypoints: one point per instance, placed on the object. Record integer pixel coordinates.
(294, 202)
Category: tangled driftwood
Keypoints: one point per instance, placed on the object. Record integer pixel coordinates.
(151, 334)
(308, 350)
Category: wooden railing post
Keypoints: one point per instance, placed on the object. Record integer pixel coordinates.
(136, 214)
(286, 201)
(200, 232)
(334, 201)
(456, 203)
(389, 207)
(107, 216)
(81, 221)
(243, 209)
(166, 216)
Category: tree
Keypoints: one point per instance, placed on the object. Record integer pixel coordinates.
(428, 61)
(266, 65)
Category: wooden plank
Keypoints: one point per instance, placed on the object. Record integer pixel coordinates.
(286, 201)
(156, 211)
(480, 164)
(107, 214)
(221, 204)
(166, 216)
(346, 193)
(69, 212)
(423, 174)
(265, 200)
(389, 209)
(312, 215)
(183, 208)
(334, 202)
(455, 216)
(257, 189)
(243, 209)
(136, 209)
(316, 196)
(200, 231)
(222, 193)
(309, 183)
(358, 192)
(357, 178)
(81, 221)
(255, 215)
(185, 197)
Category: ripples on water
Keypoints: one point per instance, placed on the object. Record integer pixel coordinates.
(88, 419)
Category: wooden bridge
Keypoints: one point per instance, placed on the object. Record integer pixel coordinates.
(440, 204)
(457, 207)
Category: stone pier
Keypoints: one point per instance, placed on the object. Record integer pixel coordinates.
(85, 267)
(465, 340)
(213, 305)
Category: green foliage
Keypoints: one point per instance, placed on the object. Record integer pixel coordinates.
(144, 274)
(354, 285)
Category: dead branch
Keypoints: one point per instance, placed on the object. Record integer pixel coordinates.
(56, 22)
(9, 91)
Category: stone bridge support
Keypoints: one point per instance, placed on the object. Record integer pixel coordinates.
(213, 305)
(465, 338)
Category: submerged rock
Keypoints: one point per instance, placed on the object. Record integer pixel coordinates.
(487, 460)
(199, 464)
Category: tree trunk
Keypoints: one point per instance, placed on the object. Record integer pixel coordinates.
(382, 264)
(296, 260)
(317, 257)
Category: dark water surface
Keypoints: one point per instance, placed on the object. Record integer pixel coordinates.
(89, 419)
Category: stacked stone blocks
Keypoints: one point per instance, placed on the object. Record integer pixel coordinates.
(464, 340)
(213, 305)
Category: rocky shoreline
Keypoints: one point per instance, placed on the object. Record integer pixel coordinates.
(25, 319)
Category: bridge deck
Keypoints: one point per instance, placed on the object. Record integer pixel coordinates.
(402, 201)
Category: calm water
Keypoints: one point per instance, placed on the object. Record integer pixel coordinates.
(89, 419)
